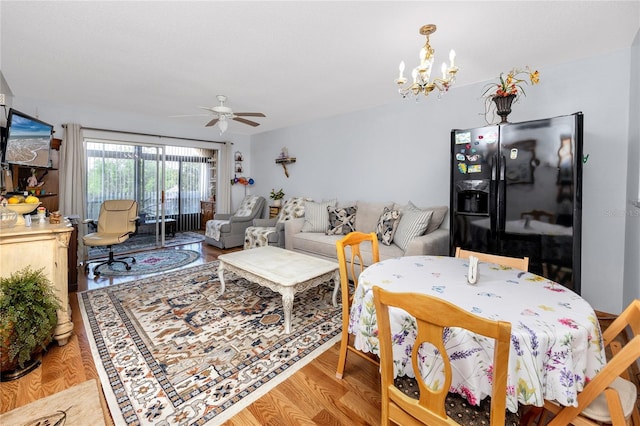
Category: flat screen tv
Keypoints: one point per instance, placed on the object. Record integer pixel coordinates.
(28, 140)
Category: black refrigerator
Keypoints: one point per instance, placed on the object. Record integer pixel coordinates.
(516, 190)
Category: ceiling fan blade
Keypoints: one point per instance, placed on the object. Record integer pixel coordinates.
(245, 121)
(212, 122)
(189, 115)
(249, 114)
(207, 108)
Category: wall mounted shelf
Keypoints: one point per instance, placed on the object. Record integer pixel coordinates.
(284, 161)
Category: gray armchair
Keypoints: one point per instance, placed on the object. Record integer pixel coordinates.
(271, 231)
(226, 230)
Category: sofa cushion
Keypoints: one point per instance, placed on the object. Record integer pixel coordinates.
(316, 216)
(292, 208)
(387, 225)
(413, 223)
(368, 215)
(341, 220)
(439, 213)
(325, 246)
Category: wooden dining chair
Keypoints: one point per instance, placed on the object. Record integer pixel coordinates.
(352, 266)
(521, 263)
(610, 397)
(432, 316)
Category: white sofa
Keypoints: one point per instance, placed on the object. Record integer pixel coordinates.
(304, 236)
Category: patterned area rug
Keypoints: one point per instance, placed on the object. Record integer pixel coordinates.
(146, 242)
(151, 262)
(171, 349)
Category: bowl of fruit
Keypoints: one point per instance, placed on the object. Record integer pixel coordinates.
(23, 205)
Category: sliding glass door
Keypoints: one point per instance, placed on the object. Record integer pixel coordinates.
(187, 183)
(151, 205)
(168, 182)
(133, 172)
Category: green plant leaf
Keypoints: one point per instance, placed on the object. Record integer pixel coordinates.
(28, 314)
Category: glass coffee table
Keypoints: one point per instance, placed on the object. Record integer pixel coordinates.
(283, 271)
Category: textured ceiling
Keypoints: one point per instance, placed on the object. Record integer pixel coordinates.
(294, 60)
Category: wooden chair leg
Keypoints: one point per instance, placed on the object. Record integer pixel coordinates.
(343, 353)
(615, 408)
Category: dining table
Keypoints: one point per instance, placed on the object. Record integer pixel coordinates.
(556, 341)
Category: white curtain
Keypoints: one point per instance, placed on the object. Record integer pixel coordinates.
(223, 199)
(73, 180)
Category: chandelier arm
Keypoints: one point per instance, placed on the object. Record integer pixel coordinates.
(439, 82)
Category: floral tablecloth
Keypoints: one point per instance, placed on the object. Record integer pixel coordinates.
(556, 343)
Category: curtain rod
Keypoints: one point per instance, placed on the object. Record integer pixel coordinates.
(146, 134)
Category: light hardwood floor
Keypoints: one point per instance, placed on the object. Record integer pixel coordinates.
(312, 396)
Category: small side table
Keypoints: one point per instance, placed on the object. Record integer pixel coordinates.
(207, 210)
(273, 211)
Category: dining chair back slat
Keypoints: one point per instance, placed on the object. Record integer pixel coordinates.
(521, 263)
(433, 316)
(351, 263)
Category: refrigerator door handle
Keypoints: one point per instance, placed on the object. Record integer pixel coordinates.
(493, 195)
(502, 193)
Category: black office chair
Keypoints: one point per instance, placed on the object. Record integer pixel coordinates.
(117, 221)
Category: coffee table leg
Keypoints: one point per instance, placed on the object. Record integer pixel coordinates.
(221, 276)
(336, 286)
(287, 306)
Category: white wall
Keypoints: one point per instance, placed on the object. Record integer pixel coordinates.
(632, 241)
(400, 152)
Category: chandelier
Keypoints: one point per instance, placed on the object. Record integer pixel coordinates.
(421, 74)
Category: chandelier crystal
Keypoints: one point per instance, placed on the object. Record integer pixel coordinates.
(421, 74)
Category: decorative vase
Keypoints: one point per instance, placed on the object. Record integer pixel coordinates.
(277, 203)
(503, 106)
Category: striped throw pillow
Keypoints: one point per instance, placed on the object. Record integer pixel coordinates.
(412, 224)
(316, 216)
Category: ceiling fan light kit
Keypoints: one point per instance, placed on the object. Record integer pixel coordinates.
(223, 124)
(222, 115)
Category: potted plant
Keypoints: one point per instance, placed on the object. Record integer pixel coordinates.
(501, 95)
(28, 317)
(276, 196)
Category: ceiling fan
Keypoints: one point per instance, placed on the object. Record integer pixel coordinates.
(223, 113)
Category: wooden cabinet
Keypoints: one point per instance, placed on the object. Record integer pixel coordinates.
(42, 245)
(207, 210)
(273, 211)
